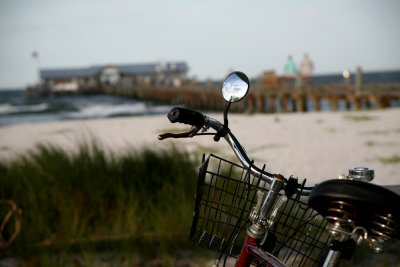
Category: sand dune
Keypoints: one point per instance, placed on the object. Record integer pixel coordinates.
(316, 146)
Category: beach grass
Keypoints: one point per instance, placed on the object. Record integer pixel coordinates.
(93, 197)
(393, 159)
(359, 117)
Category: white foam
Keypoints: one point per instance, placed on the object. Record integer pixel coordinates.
(104, 111)
(7, 108)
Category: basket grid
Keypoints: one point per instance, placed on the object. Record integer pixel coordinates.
(226, 194)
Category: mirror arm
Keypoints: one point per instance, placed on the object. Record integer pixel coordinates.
(225, 129)
(228, 104)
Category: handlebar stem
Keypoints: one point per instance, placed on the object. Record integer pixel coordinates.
(258, 229)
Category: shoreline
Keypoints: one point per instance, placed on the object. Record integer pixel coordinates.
(316, 145)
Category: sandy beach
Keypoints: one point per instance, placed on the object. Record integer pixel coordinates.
(316, 146)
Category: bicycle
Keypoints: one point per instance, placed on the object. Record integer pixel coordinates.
(265, 219)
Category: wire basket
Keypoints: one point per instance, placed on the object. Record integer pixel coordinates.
(226, 194)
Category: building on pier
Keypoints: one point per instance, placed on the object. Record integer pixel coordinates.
(62, 80)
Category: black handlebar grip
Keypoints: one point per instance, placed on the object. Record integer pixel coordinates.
(186, 116)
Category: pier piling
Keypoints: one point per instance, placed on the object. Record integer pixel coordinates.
(270, 100)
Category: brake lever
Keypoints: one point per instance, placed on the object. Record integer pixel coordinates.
(189, 133)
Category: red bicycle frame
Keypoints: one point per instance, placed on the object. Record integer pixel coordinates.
(251, 250)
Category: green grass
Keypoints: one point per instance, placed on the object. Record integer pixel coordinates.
(393, 159)
(93, 196)
(359, 118)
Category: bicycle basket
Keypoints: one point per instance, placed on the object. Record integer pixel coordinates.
(226, 193)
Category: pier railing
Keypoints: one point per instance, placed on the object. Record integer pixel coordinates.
(263, 99)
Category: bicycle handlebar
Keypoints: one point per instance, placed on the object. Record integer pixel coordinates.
(239, 151)
(186, 116)
(199, 121)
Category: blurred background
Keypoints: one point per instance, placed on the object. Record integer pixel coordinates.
(70, 47)
(212, 37)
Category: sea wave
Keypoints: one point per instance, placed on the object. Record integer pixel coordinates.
(16, 107)
(7, 108)
(107, 111)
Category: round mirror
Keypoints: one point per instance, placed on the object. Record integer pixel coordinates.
(235, 86)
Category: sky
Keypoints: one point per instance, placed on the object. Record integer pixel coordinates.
(212, 36)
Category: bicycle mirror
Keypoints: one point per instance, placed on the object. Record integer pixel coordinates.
(235, 87)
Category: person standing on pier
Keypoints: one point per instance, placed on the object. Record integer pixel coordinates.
(290, 71)
(290, 68)
(306, 68)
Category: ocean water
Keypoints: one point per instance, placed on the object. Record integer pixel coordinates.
(17, 107)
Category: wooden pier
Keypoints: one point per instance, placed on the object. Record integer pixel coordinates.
(261, 99)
